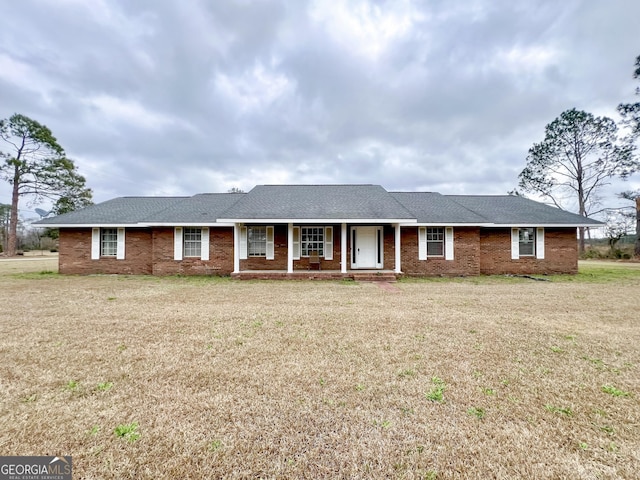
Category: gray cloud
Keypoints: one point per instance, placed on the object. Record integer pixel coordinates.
(160, 97)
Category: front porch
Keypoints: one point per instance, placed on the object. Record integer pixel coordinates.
(356, 275)
(288, 250)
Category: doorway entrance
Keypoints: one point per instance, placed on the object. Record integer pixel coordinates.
(367, 247)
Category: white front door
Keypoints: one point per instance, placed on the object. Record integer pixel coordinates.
(367, 247)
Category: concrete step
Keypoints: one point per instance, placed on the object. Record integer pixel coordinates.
(374, 277)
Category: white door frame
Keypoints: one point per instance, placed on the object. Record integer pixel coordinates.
(377, 246)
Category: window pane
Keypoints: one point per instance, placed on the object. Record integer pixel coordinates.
(526, 249)
(109, 242)
(257, 241)
(527, 238)
(312, 240)
(435, 249)
(192, 242)
(435, 234)
(435, 242)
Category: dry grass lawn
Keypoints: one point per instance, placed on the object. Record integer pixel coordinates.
(216, 378)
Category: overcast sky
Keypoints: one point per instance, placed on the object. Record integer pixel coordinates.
(164, 97)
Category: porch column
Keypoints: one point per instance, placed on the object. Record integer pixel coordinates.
(236, 248)
(343, 249)
(290, 248)
(398, 268)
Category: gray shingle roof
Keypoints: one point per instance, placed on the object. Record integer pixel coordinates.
(515, 210)
(322, 202)
(202, 208)
(431, 207)
(119, 211)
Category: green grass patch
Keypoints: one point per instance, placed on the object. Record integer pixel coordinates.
(72, 385)
(215, 445)
(30, 398)
(588, 272)
(436, 392)
(42, 275)
(593, 272)
(128, 431)
(407, 373)
(477, 412)
(562, 410)
(616, 392)
(104, 386)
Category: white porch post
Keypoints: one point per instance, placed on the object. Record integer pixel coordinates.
(290, 248)
(236, 248)
(398, 268)
(343, 249)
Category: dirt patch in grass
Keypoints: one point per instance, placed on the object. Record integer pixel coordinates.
(145, 377)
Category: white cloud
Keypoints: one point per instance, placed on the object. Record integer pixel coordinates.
(114, 110)
(24, 76)
(364, 28)
(254, 89)
(107, 14)
(518, 59)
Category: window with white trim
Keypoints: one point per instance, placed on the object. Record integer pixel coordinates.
(192, 242)
(312, 240)
(435, 242)
(108, 242)
(257, 241)
(527, 242)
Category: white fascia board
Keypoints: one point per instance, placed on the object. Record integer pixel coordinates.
(183, 224)
(545, 225)
(132, 225)
(449, 224)
(299, 221)
(501, 225)
(87, 225)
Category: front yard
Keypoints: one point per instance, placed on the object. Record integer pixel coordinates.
(146, 377)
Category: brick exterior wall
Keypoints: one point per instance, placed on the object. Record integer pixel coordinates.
(303, 263)
(389, 239)
(279, 262)
(466, 254)
(477, 251)
(75, 253)
(560, 253)
(220, 254)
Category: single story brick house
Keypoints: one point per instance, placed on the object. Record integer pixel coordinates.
(320, 231)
